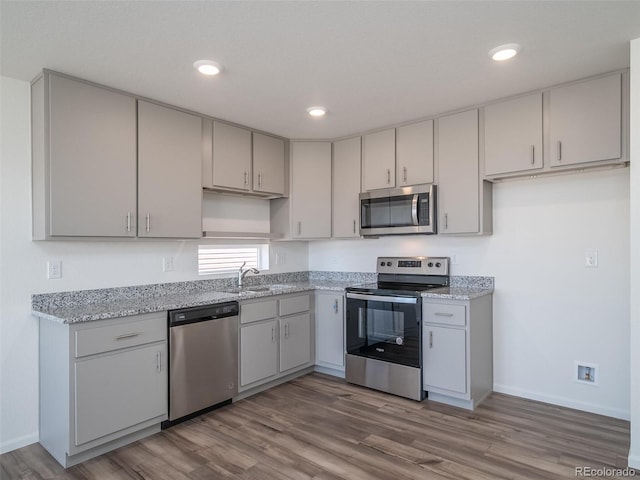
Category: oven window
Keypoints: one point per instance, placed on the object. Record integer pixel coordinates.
(384, 330)
(385, 326)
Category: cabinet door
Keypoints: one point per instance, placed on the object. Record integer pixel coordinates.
(445, 358)
(585, 121)
(458, 189)
(311, 189)
(169, 172)
(268, 164)
(295, 341)
(231, 156)
(329, 329)
(414, 154)
(379, 160)
(92, 167)
(114, 392)
(346, 188)
(258, 352)
(513, 135)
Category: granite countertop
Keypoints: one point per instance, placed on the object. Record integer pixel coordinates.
(90, 305)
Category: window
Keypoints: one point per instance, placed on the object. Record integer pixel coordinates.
(214, 259)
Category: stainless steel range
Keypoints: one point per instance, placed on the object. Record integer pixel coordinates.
(384, 324)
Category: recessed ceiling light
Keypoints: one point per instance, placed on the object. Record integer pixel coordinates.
(207, 67)
(504, 52)
(316, 111)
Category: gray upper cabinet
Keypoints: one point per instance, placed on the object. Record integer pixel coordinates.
(84, 151)
(513, 135)
(311, 189)
(268, 164)
(169, 172)
(585, 122)
(414, 154)
(231, 157)
(464, 203)
(346, 188)
(379, 160)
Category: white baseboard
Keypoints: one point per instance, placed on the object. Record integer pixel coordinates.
(634, 460)
(564, 402)
(13, 444)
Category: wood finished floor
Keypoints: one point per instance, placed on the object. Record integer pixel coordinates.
(318, 427)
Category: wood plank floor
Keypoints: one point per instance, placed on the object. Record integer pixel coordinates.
(318, 427)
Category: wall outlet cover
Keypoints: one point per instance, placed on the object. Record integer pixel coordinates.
(167, 264)
(54, 269)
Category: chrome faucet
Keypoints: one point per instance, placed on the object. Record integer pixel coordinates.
(242, 273)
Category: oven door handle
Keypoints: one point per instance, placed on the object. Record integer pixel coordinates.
(382, 298)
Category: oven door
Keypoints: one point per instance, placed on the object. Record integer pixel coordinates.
(384, 327)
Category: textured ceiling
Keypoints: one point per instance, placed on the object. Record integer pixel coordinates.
(370, 63)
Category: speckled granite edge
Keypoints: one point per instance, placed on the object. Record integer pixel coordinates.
(472, 282)
(46, 301)
(355, 277)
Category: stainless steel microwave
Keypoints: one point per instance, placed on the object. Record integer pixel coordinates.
(399, 211)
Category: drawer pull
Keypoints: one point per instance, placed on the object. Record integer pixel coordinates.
(431, 339)
(442, 314)
(124, 336)
(159, 361)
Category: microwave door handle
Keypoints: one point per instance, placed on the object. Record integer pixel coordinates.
(414, 209)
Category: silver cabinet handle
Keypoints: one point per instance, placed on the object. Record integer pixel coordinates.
(259, 179)
(404, 174)
(299, 228)
(335, 306)
(246, 178)
(273, 334)
(128, 221)
(430, 339)
(446, 221)
(533, 155)
(354, 226)
(148, 222)
(388, 176)
(159, 361)
(127, 335)
(559, 151)
(442, 314)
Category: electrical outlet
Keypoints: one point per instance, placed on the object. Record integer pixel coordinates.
(591, 258)
(54, 269)
(454, 259)
(167, 264)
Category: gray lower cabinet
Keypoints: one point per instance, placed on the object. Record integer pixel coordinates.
(457, 350)
(276, 338)
(103, 384)
(330, 332)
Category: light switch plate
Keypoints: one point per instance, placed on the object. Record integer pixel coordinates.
(54, 269)
(167, 264)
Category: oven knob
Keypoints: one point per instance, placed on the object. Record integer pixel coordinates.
(438, 265)
(430, 264)
(388, 264)
(382, 264)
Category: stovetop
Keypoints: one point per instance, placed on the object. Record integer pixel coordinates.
(407, 276)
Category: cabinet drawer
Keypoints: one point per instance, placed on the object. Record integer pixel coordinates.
(292, 305)
(152, 328)
(252, 312)
(445, 314)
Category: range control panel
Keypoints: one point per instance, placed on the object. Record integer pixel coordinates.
(414, 265)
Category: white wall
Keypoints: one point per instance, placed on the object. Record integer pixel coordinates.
(85, 265)
(634, 452)
(549, 310)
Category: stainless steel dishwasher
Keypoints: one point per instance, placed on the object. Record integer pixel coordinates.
(203, 359)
